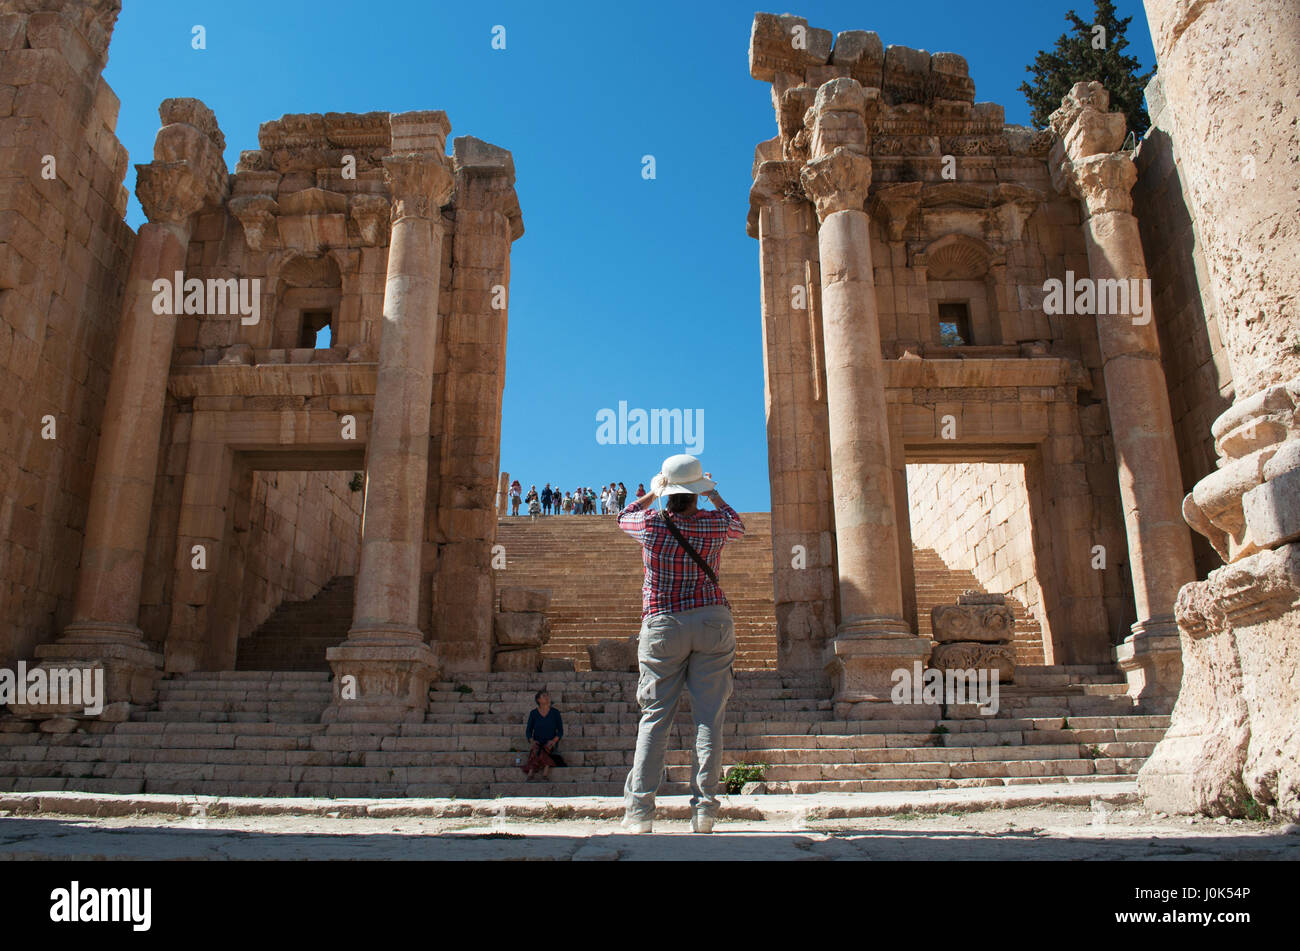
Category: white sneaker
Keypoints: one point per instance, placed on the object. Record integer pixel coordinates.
(637, 826)
(701, 823)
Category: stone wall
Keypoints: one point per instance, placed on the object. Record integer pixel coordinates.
(304, 529)
(976, 516)
(1195, 359)
(64, 248)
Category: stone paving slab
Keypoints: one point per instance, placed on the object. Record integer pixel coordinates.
(760, 808)
(1009, 829)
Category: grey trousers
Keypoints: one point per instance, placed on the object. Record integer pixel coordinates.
(694, 649)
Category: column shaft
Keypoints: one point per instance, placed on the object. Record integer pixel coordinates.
(397, 458)
(866, 532)
(126, 463)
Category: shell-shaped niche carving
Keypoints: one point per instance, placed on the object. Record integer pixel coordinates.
(956, 261)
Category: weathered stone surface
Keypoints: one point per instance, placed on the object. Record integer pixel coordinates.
(525, 659)
(1234, 733)
(975, 656)
(521, 629)
(613, 653)
(988, 623)
(515, 598)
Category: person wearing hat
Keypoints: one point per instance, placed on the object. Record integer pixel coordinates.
(687, 636)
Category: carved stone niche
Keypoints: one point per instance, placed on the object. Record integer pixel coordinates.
(975, 633)
(312, 219)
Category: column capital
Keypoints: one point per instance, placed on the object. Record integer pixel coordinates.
(1103, 182)
(774, 183)
(419, 182)
(838, 181)
(169, 192)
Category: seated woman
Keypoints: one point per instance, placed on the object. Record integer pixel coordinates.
(543, 732)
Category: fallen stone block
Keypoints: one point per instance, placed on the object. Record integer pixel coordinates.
(521, 629)
(523, 660)
(516, 598)
(613, 653)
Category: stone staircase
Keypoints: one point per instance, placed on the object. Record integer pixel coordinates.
(257, 733)
(296, 635)
(594, 573)
(936, 584)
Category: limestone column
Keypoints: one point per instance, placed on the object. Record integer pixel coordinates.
(384, 667)
(1087, 158)
(873, 638)
(797, 442)
(1230, 72)
(462, 525)
(188, 173)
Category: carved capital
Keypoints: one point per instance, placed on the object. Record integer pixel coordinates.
(776, 182)
(1103, 182)
(838, 181)
(169, 192)
(419, 182)
(257, 214)
(370, 212)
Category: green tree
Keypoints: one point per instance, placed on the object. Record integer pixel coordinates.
(1089, 54)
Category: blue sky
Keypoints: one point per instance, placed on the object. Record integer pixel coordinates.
(622, 289)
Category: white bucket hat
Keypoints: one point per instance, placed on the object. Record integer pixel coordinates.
(682, 475)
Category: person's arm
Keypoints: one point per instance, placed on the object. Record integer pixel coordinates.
(735, 527)
(632, 519)
(528, 730)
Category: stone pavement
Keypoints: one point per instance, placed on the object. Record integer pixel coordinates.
(1082, 822)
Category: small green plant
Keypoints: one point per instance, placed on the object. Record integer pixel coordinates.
(464, 688)
(1091, 751)
(357, 482)
(742, 773)
(939, 729)
(1254, 811)
(1065, 724)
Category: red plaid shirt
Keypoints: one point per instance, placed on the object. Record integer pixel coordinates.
(673, 581)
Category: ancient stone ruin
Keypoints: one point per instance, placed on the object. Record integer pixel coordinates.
(1032, 406)
(890, 209)
(975, 634)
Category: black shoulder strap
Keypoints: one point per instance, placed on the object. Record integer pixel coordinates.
(690, 550)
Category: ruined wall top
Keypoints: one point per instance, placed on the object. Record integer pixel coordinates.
(93, 19)
(923, 96)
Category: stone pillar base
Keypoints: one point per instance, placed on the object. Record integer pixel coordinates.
(862, 668)
(131, 670)
(380, 681)
(1232, 736)
(1152, 660)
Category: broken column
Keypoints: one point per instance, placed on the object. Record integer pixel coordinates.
(1228, 68)
(187, 174)
(383, 669)
(872, 638)
(1087, 158)
(976, 633)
